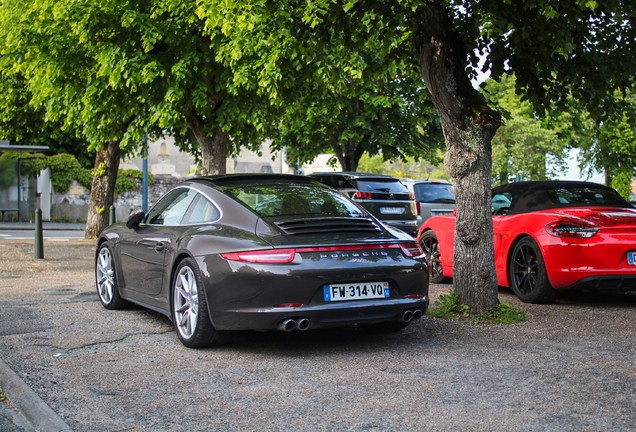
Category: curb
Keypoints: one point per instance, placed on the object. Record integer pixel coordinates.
(31, 407)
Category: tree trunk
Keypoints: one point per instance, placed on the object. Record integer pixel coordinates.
(469, 126)
(348, 155)
(102, 188)
(213, 148)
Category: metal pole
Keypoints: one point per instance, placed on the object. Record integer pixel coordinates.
(144, 182)
(111, 215)
(39, 244)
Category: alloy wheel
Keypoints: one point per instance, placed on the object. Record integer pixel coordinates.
(186, 302)
(525, 269)
(431, 248)
(105, 275)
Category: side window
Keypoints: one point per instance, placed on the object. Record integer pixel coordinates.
(201, 211)
(172, 207)
(501, 203)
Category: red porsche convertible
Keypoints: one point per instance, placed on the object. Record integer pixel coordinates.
(551, 236)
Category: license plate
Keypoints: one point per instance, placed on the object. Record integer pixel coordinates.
(392, 210)
(631, 258)
(356, 291)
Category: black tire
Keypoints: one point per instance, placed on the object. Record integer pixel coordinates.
(528, 277)
(106, 279)
(430, 245)
(189, 309)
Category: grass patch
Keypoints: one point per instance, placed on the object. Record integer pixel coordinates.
(448, 306)
(2, 395)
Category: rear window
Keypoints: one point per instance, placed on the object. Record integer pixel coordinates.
(434, 192)
(381, 185)
(585, 196)
(287, 199)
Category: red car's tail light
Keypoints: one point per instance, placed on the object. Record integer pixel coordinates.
(270, 256)
(363, 195)
(411, 249)
(569, 229)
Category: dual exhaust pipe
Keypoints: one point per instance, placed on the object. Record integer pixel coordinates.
(411, 314)
(302, 324)
(290, 324)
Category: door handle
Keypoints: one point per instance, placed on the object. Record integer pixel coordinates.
(160, 246)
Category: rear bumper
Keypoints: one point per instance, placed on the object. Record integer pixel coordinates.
(597, 263)
(337, 314)
(601, 283)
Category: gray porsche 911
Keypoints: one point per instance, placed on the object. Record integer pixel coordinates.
(261, 252)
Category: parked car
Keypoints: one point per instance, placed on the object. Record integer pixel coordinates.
(261, 252)
(433, 197)
(383, 196)
(553, 236)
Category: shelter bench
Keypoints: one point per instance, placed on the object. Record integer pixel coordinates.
(7, 210)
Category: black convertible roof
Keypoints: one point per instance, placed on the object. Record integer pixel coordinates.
(530, 196)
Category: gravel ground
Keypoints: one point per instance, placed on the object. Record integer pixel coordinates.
(571, 367)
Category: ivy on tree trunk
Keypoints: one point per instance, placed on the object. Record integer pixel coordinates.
(103, 188)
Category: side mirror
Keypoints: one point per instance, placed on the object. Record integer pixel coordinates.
(135, 219)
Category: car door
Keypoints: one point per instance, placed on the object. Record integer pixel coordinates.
(143, 251)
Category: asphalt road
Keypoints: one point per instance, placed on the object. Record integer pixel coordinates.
(571, 367)
(51, 231)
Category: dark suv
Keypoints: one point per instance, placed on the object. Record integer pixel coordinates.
(383, 196)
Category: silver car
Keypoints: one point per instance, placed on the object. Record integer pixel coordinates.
(433, 197)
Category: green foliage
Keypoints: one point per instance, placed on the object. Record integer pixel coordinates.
(503, 313)
(410, 168)
(613, 148)
(622, 182)
(448, 306)
(342, 79)
(524, 145)
(64, 169)
(128, 180)
(8, 171)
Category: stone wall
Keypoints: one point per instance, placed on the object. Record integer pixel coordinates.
(73, 205)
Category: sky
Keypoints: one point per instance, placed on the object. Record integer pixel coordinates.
(574, 173)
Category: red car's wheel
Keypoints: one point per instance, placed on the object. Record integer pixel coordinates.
(528, 278)
(429, 243)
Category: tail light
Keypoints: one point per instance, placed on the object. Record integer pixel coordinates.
(417, 206)
(270, 256)
(411, 249)
(363, 195)
(569, 229)
(284, 256)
